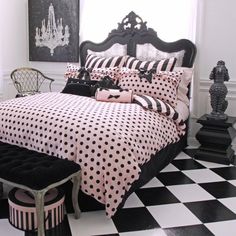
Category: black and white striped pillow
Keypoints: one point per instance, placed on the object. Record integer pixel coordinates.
(93, 61)
(160, 65)
(160, 106)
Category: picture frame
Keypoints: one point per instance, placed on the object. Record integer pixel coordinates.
(53, 30)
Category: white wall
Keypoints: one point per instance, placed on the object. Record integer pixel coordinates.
(215, 40)
(14, 40)
(95, 24)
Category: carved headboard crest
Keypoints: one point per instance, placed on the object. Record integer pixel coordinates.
(132, 24)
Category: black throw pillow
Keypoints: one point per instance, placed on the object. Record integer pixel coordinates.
(78, 89)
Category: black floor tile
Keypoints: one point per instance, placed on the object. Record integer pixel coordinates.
(193, 230)
(87, 203)
(106, 235)
(4, 209)
(133, 219)
(228, 173)
(220, 189)
(210, 211)
(173, 178)
(156, 196)
(62, 229)
(187, 164)
(191, 152)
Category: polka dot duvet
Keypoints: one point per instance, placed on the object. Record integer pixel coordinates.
(109, 140)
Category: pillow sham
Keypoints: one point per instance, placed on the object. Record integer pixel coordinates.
(93, 61)
(162, 85)
(99, 73)
(184, 83)
(73, 71)
(160, 65)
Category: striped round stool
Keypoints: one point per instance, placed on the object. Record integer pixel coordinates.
(23, 212)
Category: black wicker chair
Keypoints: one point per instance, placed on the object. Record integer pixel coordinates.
(28, 81)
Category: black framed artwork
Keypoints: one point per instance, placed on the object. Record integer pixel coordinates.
(53, 30)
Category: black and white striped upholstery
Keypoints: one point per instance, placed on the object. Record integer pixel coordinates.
(93, 61)
(159, 65)
(160, 106)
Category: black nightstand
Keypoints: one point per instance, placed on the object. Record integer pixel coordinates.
(215, 138)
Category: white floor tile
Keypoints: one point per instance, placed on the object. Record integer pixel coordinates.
(91, 223)
(227, 228)
(7, 230)
(208, 164)
(232, 182)
(153, 232)
(230, 203)
(190, 193)
(170, 168)
(153, 183)
(173, 215)
(203, 176)
(192, 146)
(133, 201)
(182, 155)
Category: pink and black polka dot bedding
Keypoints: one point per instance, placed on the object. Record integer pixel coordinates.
(109, 140)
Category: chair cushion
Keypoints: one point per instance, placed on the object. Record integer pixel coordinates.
(32, 169)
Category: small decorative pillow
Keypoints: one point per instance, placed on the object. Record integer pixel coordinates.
(162, 85)
(77, 89)
(160, 65)
(114, 95)
(93, 61)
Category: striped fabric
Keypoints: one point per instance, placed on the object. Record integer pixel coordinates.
(160, 106)
(93, 61)
(22, 212)
(160, 65)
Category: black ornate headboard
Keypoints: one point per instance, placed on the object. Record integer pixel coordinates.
(132, 31)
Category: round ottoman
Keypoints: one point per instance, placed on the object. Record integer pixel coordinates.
(22, 211)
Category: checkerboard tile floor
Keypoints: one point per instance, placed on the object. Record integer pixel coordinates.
(188, 197)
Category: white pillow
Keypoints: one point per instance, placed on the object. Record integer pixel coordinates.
(183, 85)
(182, 109)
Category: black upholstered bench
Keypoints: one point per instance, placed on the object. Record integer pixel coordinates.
(37, 173)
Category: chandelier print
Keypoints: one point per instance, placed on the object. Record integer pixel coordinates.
(53, 34)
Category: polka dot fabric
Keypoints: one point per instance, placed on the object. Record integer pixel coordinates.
(163, 85)
(73, 71)
(109, 140)
(99, 73)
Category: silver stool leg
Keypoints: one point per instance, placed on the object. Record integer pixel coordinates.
(1, 190)
(39, 203)
(75, 191)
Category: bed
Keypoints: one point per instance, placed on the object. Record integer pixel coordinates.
(118, 150)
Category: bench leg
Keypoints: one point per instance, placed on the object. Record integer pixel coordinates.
(75, 191)
(39, 203)
(1, 190)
